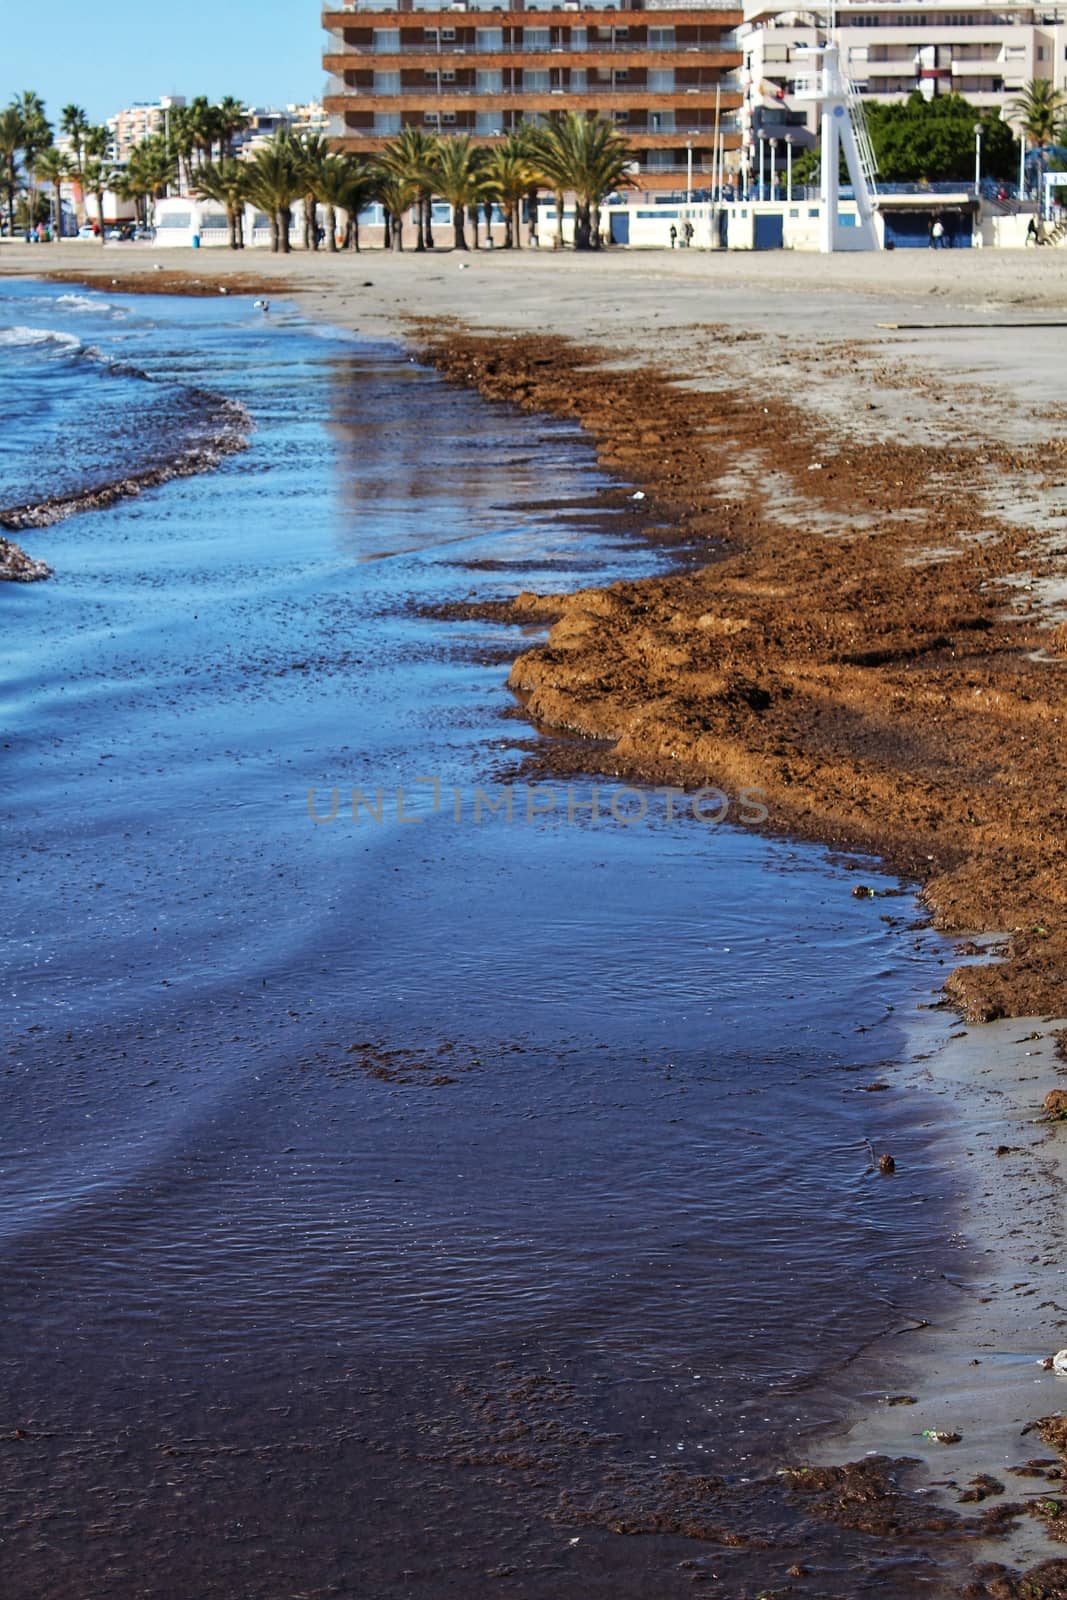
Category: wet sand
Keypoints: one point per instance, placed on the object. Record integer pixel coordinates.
(872, 452)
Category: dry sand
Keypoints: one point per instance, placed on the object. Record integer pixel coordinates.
(884, 356)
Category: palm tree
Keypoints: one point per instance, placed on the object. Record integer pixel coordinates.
(360, 190)
(54, 167)
(413, 157)
(587, 156)
(311, 151)
(231, 119)
(227, 183)
(10, 145)
(1039, 110)
(36, 137)
(75, 124)
(510, 171)
(397, 195)
(97, 172)
(183, 139)
(150, 171)
(274, 182)
(343, 182)
(460, 178)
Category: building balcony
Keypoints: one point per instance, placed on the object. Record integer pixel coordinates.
(335, 21)
(590, 99)
(585, 55)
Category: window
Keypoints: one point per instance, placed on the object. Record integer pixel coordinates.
(447, 117)
(387, 83)
(578, 39)
(661, 38)
(536, 38)
(661, 81)
(577, 78)
(429, 35)
(386, 40)
(536, 82)
(621, 116)
(489, 82)
(489, 39)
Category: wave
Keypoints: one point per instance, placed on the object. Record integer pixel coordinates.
(82, 302)
(207, 428)
(27, 338)
(221, 428)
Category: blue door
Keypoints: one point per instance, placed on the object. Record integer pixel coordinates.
(770, 232)
(620, 227)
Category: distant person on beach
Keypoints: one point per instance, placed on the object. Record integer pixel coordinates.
(674, 236)
(937, 234)
(1032, 231)
(688, 234)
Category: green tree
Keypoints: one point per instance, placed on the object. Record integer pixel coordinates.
(934, 139)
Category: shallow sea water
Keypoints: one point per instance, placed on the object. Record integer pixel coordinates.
(586, 1213)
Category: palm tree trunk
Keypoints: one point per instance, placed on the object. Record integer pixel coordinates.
(595, 241)
(388, 231)
(420, 223)
(100, 210)
(487, 207)
(509, 214)
(460, 237)
(427, 200)
(558, 242)
(58, 232)
(474, 223)
(331, 229)
(275, 235)
(398, 231)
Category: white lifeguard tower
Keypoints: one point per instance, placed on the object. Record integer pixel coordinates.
(843, 126)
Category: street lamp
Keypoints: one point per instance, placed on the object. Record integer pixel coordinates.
(688, 175)
(977, 158)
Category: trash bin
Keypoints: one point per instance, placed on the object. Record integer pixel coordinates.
(196, 241)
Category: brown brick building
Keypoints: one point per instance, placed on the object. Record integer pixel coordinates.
(483, 69)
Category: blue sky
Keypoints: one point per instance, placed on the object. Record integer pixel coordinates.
(105, 55)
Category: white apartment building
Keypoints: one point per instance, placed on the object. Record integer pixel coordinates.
(985, 50)
(136, 122)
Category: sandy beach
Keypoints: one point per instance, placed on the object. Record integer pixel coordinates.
(865, 462)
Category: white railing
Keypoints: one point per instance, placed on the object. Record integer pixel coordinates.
(858, 118)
